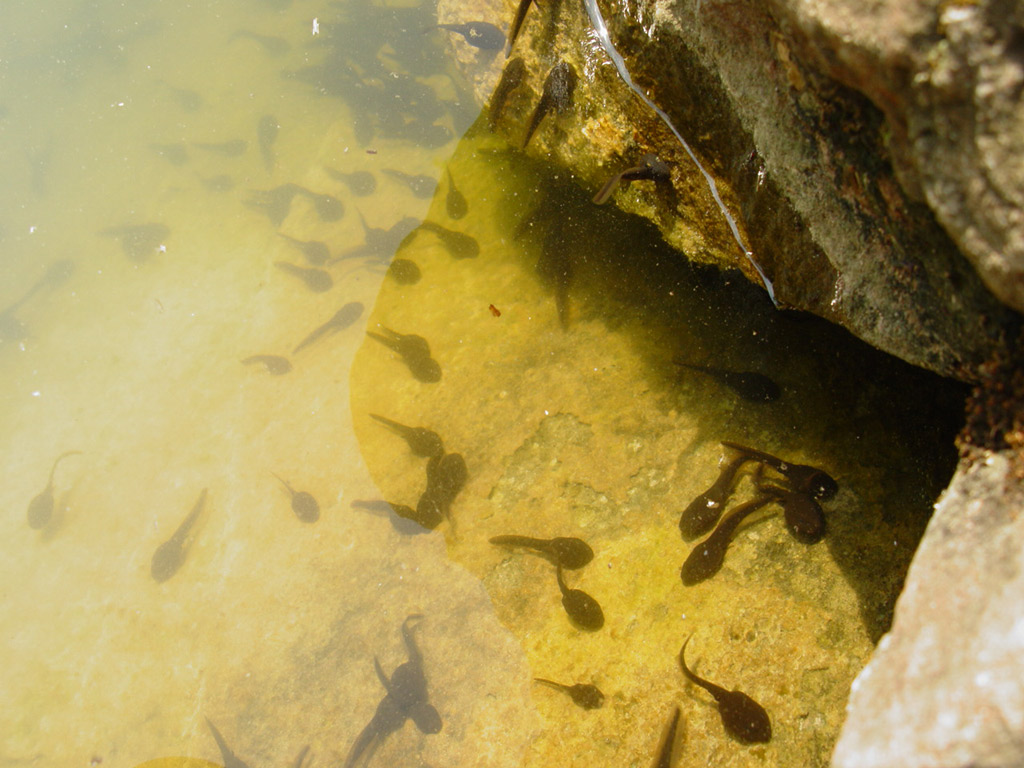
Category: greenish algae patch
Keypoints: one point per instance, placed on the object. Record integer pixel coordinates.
(593, 431)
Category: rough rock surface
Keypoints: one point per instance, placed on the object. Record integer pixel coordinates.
(943, 688)
(871, 155)
(829, 132)
(948, 76)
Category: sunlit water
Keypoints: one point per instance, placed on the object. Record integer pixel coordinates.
(130, 351)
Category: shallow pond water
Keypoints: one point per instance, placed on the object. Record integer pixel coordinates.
(140, 236)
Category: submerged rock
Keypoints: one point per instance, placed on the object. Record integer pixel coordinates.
(869, 157)
(943, 688)
(830, 145)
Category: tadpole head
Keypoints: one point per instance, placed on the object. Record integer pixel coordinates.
(823, 486)
(426, 717)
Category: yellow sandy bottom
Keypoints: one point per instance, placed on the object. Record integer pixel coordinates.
(271, 626)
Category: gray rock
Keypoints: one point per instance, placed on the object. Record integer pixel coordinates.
(944, 689)
(829, 130)
(948, 78)
(871, 157)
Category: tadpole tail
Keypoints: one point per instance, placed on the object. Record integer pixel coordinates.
(517, 23)
(511, 540)
(535, 118)
(59, 459)
(316, 334)
(665, 756)
(606, 191)
(766, 458)
(366, 744)
(183, 529)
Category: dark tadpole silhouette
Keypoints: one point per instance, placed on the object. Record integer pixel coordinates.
(458, 244)
(446, 477)
(403, 518)
(583, 610)
(275, 365)
(304, 505)
(706, 558)
(570, 553)
(455, 202)
(421, 185)
(651, 168)
(341, 319)
(406, 699)
(422, 441)
(380, 244)
(315, 279)
(414, 351)
(557, 95)
(804, 479)
(665, 755)
(743, 718)
(273, 203)
(431, 510)
(404, 271)
(517, 24)
(804, 516)
(188, 100)
(750, 385)
(328, 207)
(511, 78)
(583, 695)
(40, 509)
(313, 251)
(703, 512)
(359, 183)
(231, 760)
(171, 554)
(479, 34)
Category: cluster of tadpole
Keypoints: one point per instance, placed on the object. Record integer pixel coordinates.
(405, 698)
(568, 553)
(446, 475)
(803, 486)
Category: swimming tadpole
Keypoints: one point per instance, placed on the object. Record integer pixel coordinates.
(750, 385)
(556, 96)
(743, 718)
(565, 551)
(414, 351)
(455, 202)
(583, 695)
(304, 504)
(706, 558)
(479, 34)
(583, 610)
(40, 509)
(170, 555)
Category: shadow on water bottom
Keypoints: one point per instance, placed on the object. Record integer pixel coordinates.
(589, 378)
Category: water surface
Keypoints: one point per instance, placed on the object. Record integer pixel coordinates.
(581, 425)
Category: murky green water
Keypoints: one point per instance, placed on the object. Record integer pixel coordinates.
(572, 424)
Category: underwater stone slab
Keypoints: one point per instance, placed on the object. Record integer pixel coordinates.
(944, 689)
